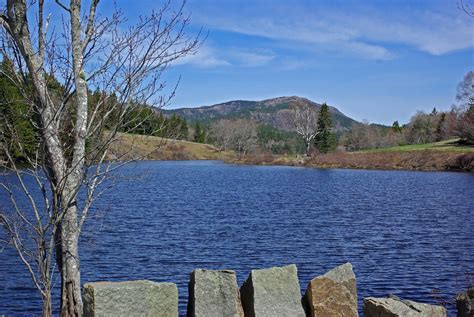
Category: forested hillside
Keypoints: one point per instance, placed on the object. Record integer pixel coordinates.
(283, 125)
(273, 112)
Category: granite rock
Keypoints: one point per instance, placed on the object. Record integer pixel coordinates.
(465, 303)
(131, 298)
(395, 307)
(272, 292)
(214, 294)
(332, 294)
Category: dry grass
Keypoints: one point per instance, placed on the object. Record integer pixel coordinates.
(155, 148)
(416, 160)
(441, 146)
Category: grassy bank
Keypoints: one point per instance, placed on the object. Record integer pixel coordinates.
(439, 156)
(415, 160)
(446, 155)
(155, 148)
(442, 146)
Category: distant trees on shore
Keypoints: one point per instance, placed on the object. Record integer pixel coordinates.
(147, 121)
(239, 135)
(458, 122)
(309, 130)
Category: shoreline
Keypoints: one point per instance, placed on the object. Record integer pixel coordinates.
(308, 163)
(407, 161)
(154, 148)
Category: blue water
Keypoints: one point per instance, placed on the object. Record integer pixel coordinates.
(406, 233)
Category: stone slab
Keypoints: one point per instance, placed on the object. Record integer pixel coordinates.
(395, 307)
(333, 294)
(131, 298)
(214, 294)
(272, 292)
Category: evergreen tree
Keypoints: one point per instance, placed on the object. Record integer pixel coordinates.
(199, 133)
(440, 131)
(396, 127)
(16, 126)
(183, 129)
(178, 128)
(325, 139)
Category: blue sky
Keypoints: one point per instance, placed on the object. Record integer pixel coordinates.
(374, 60)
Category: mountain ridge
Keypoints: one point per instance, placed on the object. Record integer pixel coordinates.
(268, 111)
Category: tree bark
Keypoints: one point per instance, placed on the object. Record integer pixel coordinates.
(47, 306)
(68, 254)
(69, 265)
(71, 300)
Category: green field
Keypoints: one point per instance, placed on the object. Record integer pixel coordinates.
(445, 146)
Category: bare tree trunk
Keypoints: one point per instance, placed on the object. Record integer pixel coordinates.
(71, 301)
(67, 242)
(47, 307)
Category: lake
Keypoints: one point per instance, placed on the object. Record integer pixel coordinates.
(406, 233)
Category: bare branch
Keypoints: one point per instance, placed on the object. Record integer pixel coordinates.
(462, 5)
(62, 6)
(90, 22)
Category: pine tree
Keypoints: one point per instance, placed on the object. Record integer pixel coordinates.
(199, 133)
(440, 135)
(183, 131)
(15, 117)
(325, 139)
(396, 127)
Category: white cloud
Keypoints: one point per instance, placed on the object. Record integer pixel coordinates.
(251, 59)
(428, 31)
(210, 57)
(205, 57)
(362, 31)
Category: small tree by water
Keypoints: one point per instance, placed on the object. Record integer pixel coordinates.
(325, 140)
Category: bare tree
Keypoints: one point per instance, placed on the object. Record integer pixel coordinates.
(239, 134)
(123, 61)
(244, 135)
(222, 133)
(465, 99)
(305, 121)
(465, 92)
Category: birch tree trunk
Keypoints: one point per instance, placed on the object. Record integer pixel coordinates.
(67, 244)
(71, 300)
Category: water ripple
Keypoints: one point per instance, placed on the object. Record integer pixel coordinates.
(406, 233)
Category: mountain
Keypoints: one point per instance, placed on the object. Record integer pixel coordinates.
(272, 112)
